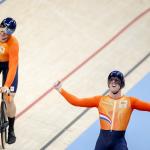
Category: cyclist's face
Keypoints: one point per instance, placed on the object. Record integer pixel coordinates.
(3, 36)
(114, 84)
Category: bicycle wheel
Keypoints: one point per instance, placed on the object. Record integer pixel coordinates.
(3, 139)
(4, 124)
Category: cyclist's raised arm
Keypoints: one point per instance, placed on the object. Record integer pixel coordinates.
(82, 102)
(139, 104)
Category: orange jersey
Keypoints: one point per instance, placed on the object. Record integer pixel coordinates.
(9, 53)
(114, 114)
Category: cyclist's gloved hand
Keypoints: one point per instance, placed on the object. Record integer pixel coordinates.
(5, 90)
(58, 86)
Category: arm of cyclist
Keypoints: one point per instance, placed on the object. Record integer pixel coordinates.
(82, 102)
(13, 64)
(139, 104)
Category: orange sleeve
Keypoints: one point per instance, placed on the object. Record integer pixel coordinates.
(13, 63)
(139, 105)
(82, 102)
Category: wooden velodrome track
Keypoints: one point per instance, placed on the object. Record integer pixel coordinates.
(56, 39)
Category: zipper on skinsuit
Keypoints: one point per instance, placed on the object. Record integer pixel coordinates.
(113, 115)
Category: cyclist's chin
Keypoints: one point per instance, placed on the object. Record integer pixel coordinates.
(114, 91)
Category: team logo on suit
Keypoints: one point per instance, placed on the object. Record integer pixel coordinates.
(2, 50)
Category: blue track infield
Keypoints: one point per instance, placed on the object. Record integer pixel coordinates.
(138, 132)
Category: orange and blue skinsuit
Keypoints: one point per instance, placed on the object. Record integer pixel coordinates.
(9, 62)
(114, 116)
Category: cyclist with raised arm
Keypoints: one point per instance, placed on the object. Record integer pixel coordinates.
(9, 50)
(114, 109)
